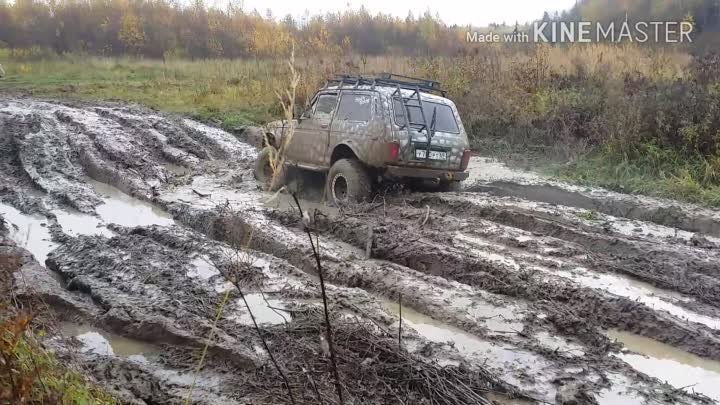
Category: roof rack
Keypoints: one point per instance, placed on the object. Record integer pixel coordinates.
(399, 83)
(387, 80)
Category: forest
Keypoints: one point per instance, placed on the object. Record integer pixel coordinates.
(167, 28)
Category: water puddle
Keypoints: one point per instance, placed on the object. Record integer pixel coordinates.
(486, 170)
(619, 393)
(28, 231)
(653, 297)
(202, 268)
(122, 209)
(97, 341)
(681, 369)
(265, 313)
(76, 223)
(117, 208)
(466, 343)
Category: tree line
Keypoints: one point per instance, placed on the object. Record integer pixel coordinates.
(162, 28)
(173, 28)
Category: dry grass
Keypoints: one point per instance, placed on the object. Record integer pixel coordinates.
(541, 101)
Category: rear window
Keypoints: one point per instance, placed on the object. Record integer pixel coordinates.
(354, 107)
(444, 120)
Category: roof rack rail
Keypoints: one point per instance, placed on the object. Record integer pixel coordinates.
(387, 80)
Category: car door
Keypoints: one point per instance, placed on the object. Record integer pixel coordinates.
(351, 122)
(308, 145)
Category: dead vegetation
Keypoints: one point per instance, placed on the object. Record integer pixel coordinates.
(371, 366)
(29, 373)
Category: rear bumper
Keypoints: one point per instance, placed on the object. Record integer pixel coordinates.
(421, 173)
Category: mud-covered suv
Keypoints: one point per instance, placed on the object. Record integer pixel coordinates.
(363, 130)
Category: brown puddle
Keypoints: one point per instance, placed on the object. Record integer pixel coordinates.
(97, 341)
(123, 209)
(680, 369)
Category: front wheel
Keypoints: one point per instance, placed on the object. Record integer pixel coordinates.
(348, 180)
(269, 180)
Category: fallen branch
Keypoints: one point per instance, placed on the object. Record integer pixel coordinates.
(201, 194)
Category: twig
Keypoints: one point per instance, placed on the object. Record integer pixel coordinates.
(369, 243)
(400, 328)
(328, 329)
(201, 194)
(274, 309)
(683, 388)
(427, 215)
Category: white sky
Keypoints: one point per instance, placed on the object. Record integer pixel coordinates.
(475, 12)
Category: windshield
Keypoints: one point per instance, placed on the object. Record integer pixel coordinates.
(444, 118)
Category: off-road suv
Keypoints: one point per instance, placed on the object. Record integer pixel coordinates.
(363, 130)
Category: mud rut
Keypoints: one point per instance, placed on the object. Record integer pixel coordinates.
(503, 289)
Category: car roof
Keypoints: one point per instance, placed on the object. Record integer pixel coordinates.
(389, 91)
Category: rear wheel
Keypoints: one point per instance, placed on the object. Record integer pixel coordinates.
(263, 171)
(347, 181)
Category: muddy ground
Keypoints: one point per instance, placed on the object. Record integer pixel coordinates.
(130, 224)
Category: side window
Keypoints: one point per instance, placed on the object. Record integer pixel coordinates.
(399, 112)
(324, 106)
(354, 107)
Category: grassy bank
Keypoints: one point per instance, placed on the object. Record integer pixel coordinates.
(30, 373)
(641, 120)
(228, 92)
(677, 180)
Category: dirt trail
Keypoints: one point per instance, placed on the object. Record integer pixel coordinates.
(134, 218)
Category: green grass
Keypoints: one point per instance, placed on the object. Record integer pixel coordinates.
(43, 379)
(231, 93)
(667, 176)
(30, 373)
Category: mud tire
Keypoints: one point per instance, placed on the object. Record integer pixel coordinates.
(263, 171)
(450, 186)
(348, 180)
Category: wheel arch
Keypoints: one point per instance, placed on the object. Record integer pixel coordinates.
(343, 151)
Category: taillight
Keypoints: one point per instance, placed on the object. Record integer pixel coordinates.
(465, 159)
(394, 151)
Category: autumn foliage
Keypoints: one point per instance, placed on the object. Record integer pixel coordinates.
(163, 28)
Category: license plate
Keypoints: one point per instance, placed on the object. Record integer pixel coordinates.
(434, 154)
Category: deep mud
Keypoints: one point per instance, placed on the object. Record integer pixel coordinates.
(130, 223)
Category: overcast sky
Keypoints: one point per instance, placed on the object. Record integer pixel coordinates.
(475, 12)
